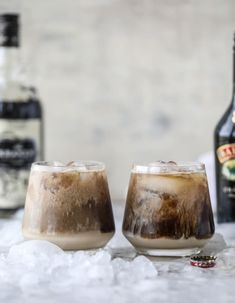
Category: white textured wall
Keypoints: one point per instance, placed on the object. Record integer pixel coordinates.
(130, 80)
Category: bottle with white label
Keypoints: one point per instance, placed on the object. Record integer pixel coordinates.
(20, 120)
(224, 139)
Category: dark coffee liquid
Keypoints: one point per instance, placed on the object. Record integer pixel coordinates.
(168, 206)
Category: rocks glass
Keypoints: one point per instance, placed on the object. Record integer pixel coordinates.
(69, 205)
(168, 209)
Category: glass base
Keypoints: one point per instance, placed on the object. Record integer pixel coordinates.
(180, 252)
(87, 240)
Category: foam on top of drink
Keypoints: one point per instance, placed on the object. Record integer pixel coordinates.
(170, 167)
(78, 166)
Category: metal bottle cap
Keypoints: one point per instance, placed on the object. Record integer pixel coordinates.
(203, 261)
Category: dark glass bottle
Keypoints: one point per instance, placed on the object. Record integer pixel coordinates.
(20, 120)
(224, 139)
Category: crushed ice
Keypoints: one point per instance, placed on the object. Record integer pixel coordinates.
(76, 165)
(36, 262)
(114, 274)
(161, 162)
(57, 166)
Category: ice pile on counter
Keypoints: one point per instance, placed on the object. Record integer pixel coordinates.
(38, 271)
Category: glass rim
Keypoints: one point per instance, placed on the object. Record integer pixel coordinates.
(168, 167)
(79, 165)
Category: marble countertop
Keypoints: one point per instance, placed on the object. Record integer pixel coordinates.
(37, 271)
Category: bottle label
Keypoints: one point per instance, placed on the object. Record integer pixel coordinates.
(229, 191)
(226, 156)
(19, 147)
(226, 152)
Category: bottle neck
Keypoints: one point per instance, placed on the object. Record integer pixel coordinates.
(233, 72)
(9, 72)
(9, 63)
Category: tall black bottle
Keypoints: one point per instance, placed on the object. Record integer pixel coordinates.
(224, 140)
(20, 120)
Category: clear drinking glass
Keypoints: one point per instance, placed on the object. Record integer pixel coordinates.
(168, 209)
(69, 205)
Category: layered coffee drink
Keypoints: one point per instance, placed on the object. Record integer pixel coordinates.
(69, 205)
(168, 209)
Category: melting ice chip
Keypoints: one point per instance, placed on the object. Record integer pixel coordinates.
(133, 271)
(57, 166)
(76, 165)
(156, 163)
(48, 166)
(161, 162)
(171, 163)
(58, 163)
(73, 163)
(84, 166)
(34, 253)
(162, 166)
